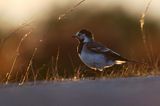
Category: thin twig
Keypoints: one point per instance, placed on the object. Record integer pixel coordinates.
(70, 10)
(15, 58)
(29, 65)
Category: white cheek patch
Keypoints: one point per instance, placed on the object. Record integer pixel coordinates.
(86, 39)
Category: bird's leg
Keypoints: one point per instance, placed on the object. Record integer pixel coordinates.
(99, 72)
(102, 73)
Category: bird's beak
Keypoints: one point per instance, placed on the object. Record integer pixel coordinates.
(76, 36)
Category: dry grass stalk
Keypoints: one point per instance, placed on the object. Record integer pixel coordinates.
(52, 69)
(77, 73)
(142, 22)
(70, 10)
(56, 64)
(47, 75)
(29, 65)
(35, 75)
(8, 75)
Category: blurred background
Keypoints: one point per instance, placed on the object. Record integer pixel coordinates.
(114, 23)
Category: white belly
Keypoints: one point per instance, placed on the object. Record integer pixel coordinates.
(95, 61)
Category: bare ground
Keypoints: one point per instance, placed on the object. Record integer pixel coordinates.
(101, 92)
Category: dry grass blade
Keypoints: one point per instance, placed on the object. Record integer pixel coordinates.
(15, 58)
(29, 65)
(70, 10)
(56, 64)
(142, 22)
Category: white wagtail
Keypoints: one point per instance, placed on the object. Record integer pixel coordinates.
(95, 55)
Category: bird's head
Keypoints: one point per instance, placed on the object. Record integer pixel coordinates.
(84, 36)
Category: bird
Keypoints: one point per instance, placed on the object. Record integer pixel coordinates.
(94, 54)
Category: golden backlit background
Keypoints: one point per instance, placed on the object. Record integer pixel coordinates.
(115, 23)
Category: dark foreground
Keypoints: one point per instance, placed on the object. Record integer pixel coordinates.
(115, 92)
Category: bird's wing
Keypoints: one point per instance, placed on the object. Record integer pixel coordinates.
(99, 48)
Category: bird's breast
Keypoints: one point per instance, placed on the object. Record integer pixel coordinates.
(93, 60)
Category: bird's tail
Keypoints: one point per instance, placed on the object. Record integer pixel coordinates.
(132, 61)
(136, 62)
(122, 60)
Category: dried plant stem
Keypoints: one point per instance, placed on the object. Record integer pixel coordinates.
(70, 10)
(29, 65)
(52, 68)
(144, 39)
(15, 58)
(47, 75)
(35, 76)
(56, 64)
(77, 74)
